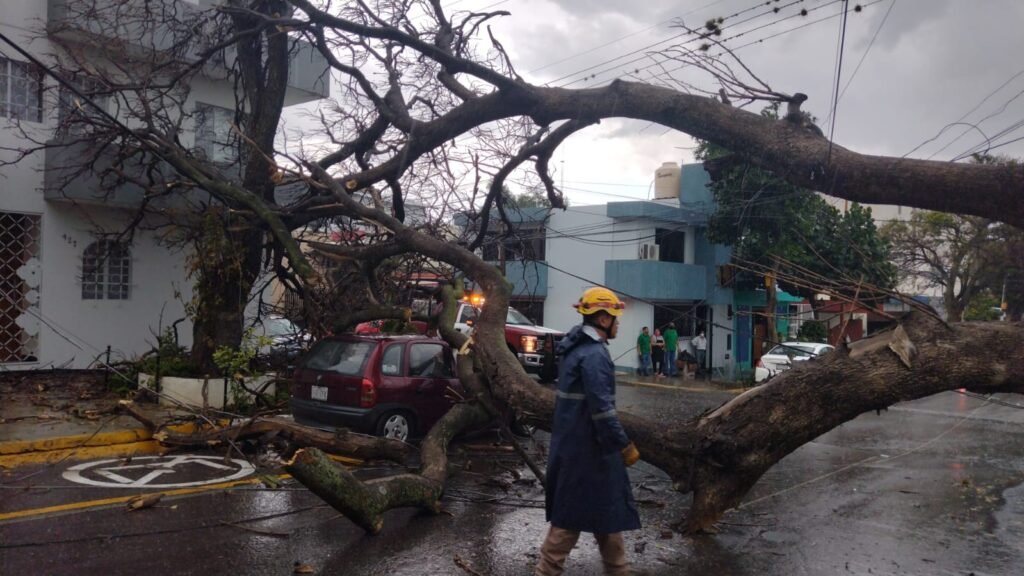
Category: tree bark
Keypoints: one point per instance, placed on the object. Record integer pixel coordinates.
(341, 442)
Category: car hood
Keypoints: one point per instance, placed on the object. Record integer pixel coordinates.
(531, 329)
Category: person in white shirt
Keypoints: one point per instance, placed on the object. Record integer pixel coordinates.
(700, 345)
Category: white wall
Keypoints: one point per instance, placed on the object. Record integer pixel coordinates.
(128, 326)
(73, 331)
(586, 260)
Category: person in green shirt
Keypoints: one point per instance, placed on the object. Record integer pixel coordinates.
(671, 349)
(643, 352)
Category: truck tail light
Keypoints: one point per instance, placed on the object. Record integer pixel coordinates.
(367, 394)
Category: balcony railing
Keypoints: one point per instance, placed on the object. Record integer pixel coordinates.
(121, 21)
(656, 280)
(65, 180)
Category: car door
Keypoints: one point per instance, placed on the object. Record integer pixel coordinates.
(394, 388)
(429, 375)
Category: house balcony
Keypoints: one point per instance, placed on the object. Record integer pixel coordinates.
(656, 280)
(66, 180)
(117, 21)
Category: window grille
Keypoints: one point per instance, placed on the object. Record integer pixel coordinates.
(21, 91)
(106, 271)
(20, 275)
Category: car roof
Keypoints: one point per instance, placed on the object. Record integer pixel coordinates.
(813, 345)
(383, 338)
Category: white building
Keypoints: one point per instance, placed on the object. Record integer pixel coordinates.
(655, 255)
(68, 287)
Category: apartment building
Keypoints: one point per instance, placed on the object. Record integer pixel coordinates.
(654, 254)
(71, 284)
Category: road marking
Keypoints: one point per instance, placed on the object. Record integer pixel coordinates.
(143, 470)
(104, 502)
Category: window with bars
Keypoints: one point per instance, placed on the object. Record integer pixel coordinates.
(74, 113)
(106, 271)
(20, 273)
(21, 91)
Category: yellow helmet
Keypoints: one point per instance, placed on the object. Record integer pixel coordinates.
(596, 299)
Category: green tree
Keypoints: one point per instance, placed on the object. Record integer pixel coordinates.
(946, 251)
(768, 220)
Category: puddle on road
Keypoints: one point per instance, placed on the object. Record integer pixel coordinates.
(1009, 518)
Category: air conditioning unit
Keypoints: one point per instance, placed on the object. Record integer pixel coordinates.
(648, 252)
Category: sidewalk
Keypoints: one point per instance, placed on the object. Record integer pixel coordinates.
(688, 384)
(53, 416)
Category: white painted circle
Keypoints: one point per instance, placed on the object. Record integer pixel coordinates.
(148, 471)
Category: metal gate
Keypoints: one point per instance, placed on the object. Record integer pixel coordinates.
(20, 275)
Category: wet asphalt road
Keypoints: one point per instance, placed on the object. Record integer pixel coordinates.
(929, 487)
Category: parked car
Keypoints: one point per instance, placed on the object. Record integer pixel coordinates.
(534, 345)
(781, 357)
(389, 385)
(286, 340)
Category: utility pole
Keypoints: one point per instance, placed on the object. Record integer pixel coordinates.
(501, 247)
(1002, 299)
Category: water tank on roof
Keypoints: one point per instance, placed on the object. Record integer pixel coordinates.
(666, 181)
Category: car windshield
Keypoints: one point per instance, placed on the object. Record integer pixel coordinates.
(796, 350)
(345, 358)
(516, 317)
(279, 327)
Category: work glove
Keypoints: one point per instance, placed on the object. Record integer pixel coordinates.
(630, 454)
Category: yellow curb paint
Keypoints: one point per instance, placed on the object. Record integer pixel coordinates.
(84, 453)
(72, 506)
(346, 460)
(80, 440)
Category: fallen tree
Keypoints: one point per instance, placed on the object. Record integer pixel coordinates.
(410, 89)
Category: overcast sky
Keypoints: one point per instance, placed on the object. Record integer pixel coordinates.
(933, 62)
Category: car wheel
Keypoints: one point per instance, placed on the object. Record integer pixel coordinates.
(396, 425)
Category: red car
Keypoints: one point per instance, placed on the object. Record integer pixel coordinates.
(389, 385)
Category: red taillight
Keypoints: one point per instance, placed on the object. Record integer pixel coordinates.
(759, 363)
(367, 394)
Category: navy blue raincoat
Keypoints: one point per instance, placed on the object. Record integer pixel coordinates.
(588, 489)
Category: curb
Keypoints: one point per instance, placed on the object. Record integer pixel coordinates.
(681, 388)
(134, 441)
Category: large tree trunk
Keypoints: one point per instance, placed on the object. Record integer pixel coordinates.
(227, 268)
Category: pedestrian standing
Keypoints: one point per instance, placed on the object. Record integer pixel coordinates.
(671, 349)
(643, 352)
(588, 489)
(658, 353)
(700, 344)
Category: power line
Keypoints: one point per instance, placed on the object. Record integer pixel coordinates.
(621, 38)
(966, 114)
(864, 56)
(839, 75)
(677, 36)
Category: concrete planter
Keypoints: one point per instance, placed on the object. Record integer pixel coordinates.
(190, 390)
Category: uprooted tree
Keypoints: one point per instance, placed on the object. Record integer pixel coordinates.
(426, 107)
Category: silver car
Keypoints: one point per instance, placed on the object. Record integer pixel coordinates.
(781, 357)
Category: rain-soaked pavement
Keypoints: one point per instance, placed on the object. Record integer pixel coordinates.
(928, 487)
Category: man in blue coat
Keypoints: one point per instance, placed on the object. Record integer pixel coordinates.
(588, 489)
